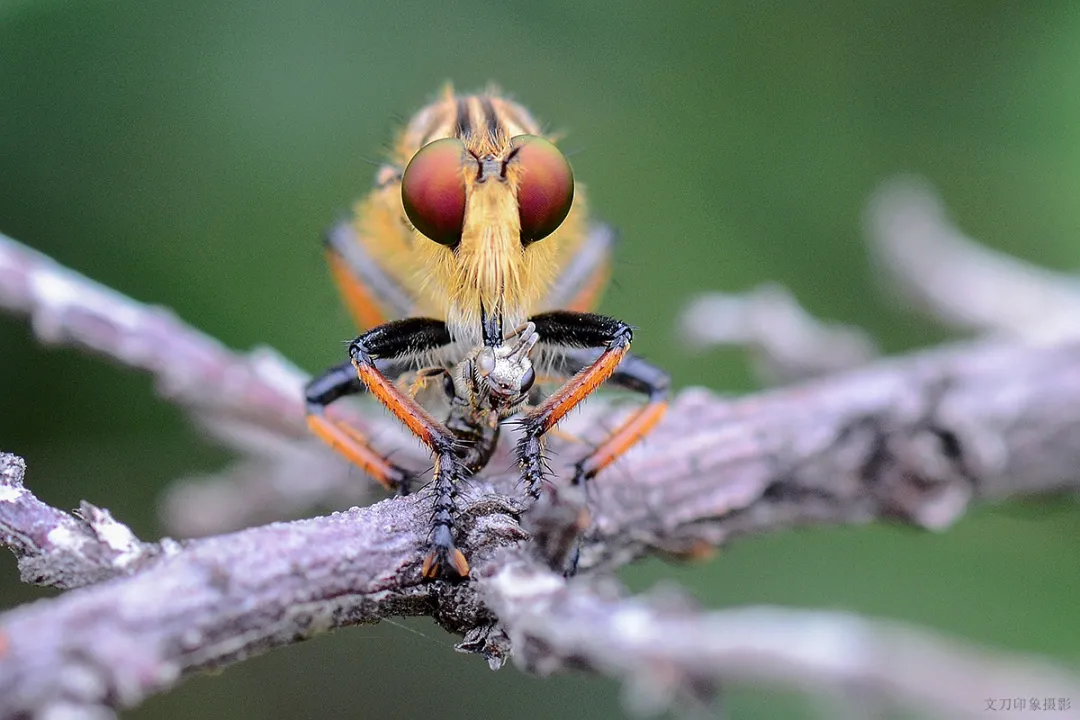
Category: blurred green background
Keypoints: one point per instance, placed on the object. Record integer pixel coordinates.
(190, 153)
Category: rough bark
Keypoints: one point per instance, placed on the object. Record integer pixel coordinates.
(915, 439)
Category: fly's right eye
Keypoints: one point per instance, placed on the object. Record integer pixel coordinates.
(433, 190)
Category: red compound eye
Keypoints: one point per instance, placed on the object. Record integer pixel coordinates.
(546, 190)
(433, 190)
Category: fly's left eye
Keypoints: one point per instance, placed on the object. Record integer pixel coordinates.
(546, 189)
(433, 190)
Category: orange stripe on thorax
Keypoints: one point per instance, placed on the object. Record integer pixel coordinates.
(358, 298)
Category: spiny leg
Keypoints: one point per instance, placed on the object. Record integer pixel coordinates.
(569, 330)
(444, 554)
(405, 338)
(389, 350)
(631, 372)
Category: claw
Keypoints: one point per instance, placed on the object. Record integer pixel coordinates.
(461, 565)
(441, 561)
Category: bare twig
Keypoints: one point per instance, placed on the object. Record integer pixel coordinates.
(913, 439)
(214, 601)
(218, 600)
(957, 279)
(250, 403)
(786, 342)
(61, 550)
(191, 368)
(664, 647)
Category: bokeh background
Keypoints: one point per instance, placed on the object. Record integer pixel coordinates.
(189, 154)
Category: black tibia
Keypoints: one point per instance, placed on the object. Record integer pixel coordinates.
(342, 380)
(399, 339)
(388, 349)
(609, 338)
(580, 330)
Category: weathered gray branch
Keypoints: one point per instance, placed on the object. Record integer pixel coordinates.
(217, 600)
(191, 368)
(61, 550)
(250, 402)
(786, 343)
(913, 439)
(664, 647)
(958, 280)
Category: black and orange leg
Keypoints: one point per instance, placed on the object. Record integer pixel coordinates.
(610, 341)
(372, 354)
(406, 338)
(337, 382)
(637, 375)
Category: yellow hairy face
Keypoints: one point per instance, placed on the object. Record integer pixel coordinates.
(489, 209)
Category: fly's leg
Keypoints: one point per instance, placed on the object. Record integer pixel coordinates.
(634, 374)
(391, 346)
(405, 338)
(341, 381)
(337, 382)
(596, 349)
(444, 557)
(426, 376)
(569, 330)
(638, 375)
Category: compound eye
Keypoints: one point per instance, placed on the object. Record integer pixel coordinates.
(546, 189)
(527, 381)
(433, 190)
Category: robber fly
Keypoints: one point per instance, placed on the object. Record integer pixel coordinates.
(473, 251)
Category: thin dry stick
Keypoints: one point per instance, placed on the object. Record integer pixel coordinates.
(250, 403)
(958, 280)
(786, 343)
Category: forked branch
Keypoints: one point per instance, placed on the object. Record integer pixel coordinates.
(913, 440)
